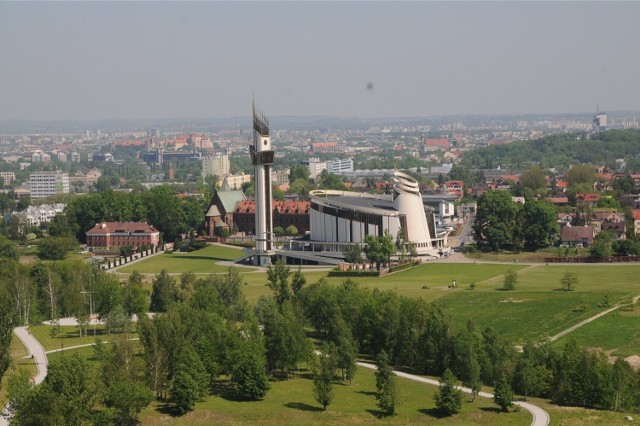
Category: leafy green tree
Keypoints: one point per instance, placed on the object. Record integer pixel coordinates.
(503, 395)
(346, 351)
(249, 377)
(7, 322)
(510, 280)
(602, 245)
(327, 180)
(580, 173)
(534, 179)
(55, 248)
(291, 230)
(569, 281)
(7, 249)
(379, 249)
(300, 187)
(191, 381)
(128, 399)
(163, 292)
(387, 390)
(540, 224)
(108, 293)
(353, 254)
(278, 281)
(299, 171)
(323, 372)
(297, 282)
(278, 231)
(623, 185)
(448, 398)
(496, 226)
(135, 297)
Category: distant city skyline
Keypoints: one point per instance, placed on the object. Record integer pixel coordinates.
(154, 60)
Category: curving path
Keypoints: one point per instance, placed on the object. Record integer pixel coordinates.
(540, 417)
(39, 356)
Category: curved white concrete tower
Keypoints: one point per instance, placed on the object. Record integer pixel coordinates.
(408, 201)
(262, 160)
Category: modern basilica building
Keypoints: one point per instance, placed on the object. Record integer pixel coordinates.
(348, 217)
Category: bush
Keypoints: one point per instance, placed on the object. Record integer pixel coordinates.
(403, 266)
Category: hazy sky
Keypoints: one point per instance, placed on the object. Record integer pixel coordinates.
(356, 59)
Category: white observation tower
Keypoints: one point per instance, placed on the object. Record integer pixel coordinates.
(262, 160)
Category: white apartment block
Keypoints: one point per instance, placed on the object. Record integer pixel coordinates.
(218, 165)
(316, 167)
(339, 167)
(7, 177)
(280, 177)
(45, 184)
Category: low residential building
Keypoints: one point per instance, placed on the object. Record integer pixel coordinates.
(110, 235)
(636, 221)
(37, 215)
(234, 182)
(577, 235)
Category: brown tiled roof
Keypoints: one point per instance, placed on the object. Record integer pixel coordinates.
(577, 233)
(104, 228)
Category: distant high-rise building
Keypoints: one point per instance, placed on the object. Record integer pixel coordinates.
(45, 184)
(600, 121)
(218, 165)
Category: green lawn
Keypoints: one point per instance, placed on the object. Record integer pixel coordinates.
(201, 261)
(292, 402)
(618, 331)
(18, 362)
(68, 337)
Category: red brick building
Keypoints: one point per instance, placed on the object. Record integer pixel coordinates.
(285, 213)
(107, 235)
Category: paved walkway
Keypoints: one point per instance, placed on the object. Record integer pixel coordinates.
(39, 356)
(540, 417)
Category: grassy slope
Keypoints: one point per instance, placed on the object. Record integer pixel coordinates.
(68, 337)
(292, 402)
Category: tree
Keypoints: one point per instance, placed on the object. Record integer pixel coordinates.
(624, 185)
(540, 224)
(135, 297)
(278, 281)
(510, 280)
(379, 249)
(299, 171)
(191, 381)
(298, 281)
(534, 179)
(291, 230)
(249, 377)
(496, 226)
(278, 231)
(7, 322)
(503, 395)
(163, 293)
(580, 173)
(601, 246)
(448, 398)
(323, 371)
(327, 180)
(569, 281)
(353, 254)
(7, 249)
(55, 248)
(127, 398)
(387, 391)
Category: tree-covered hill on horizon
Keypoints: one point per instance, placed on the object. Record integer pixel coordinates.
(561, 151)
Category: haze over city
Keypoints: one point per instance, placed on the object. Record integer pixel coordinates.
(181, 60)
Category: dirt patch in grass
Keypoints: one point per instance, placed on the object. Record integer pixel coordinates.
(511, 300)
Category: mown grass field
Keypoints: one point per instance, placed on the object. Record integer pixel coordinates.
(291, 402)
(201, 261)
(69, 336)
(17, 352)
(617, 332)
